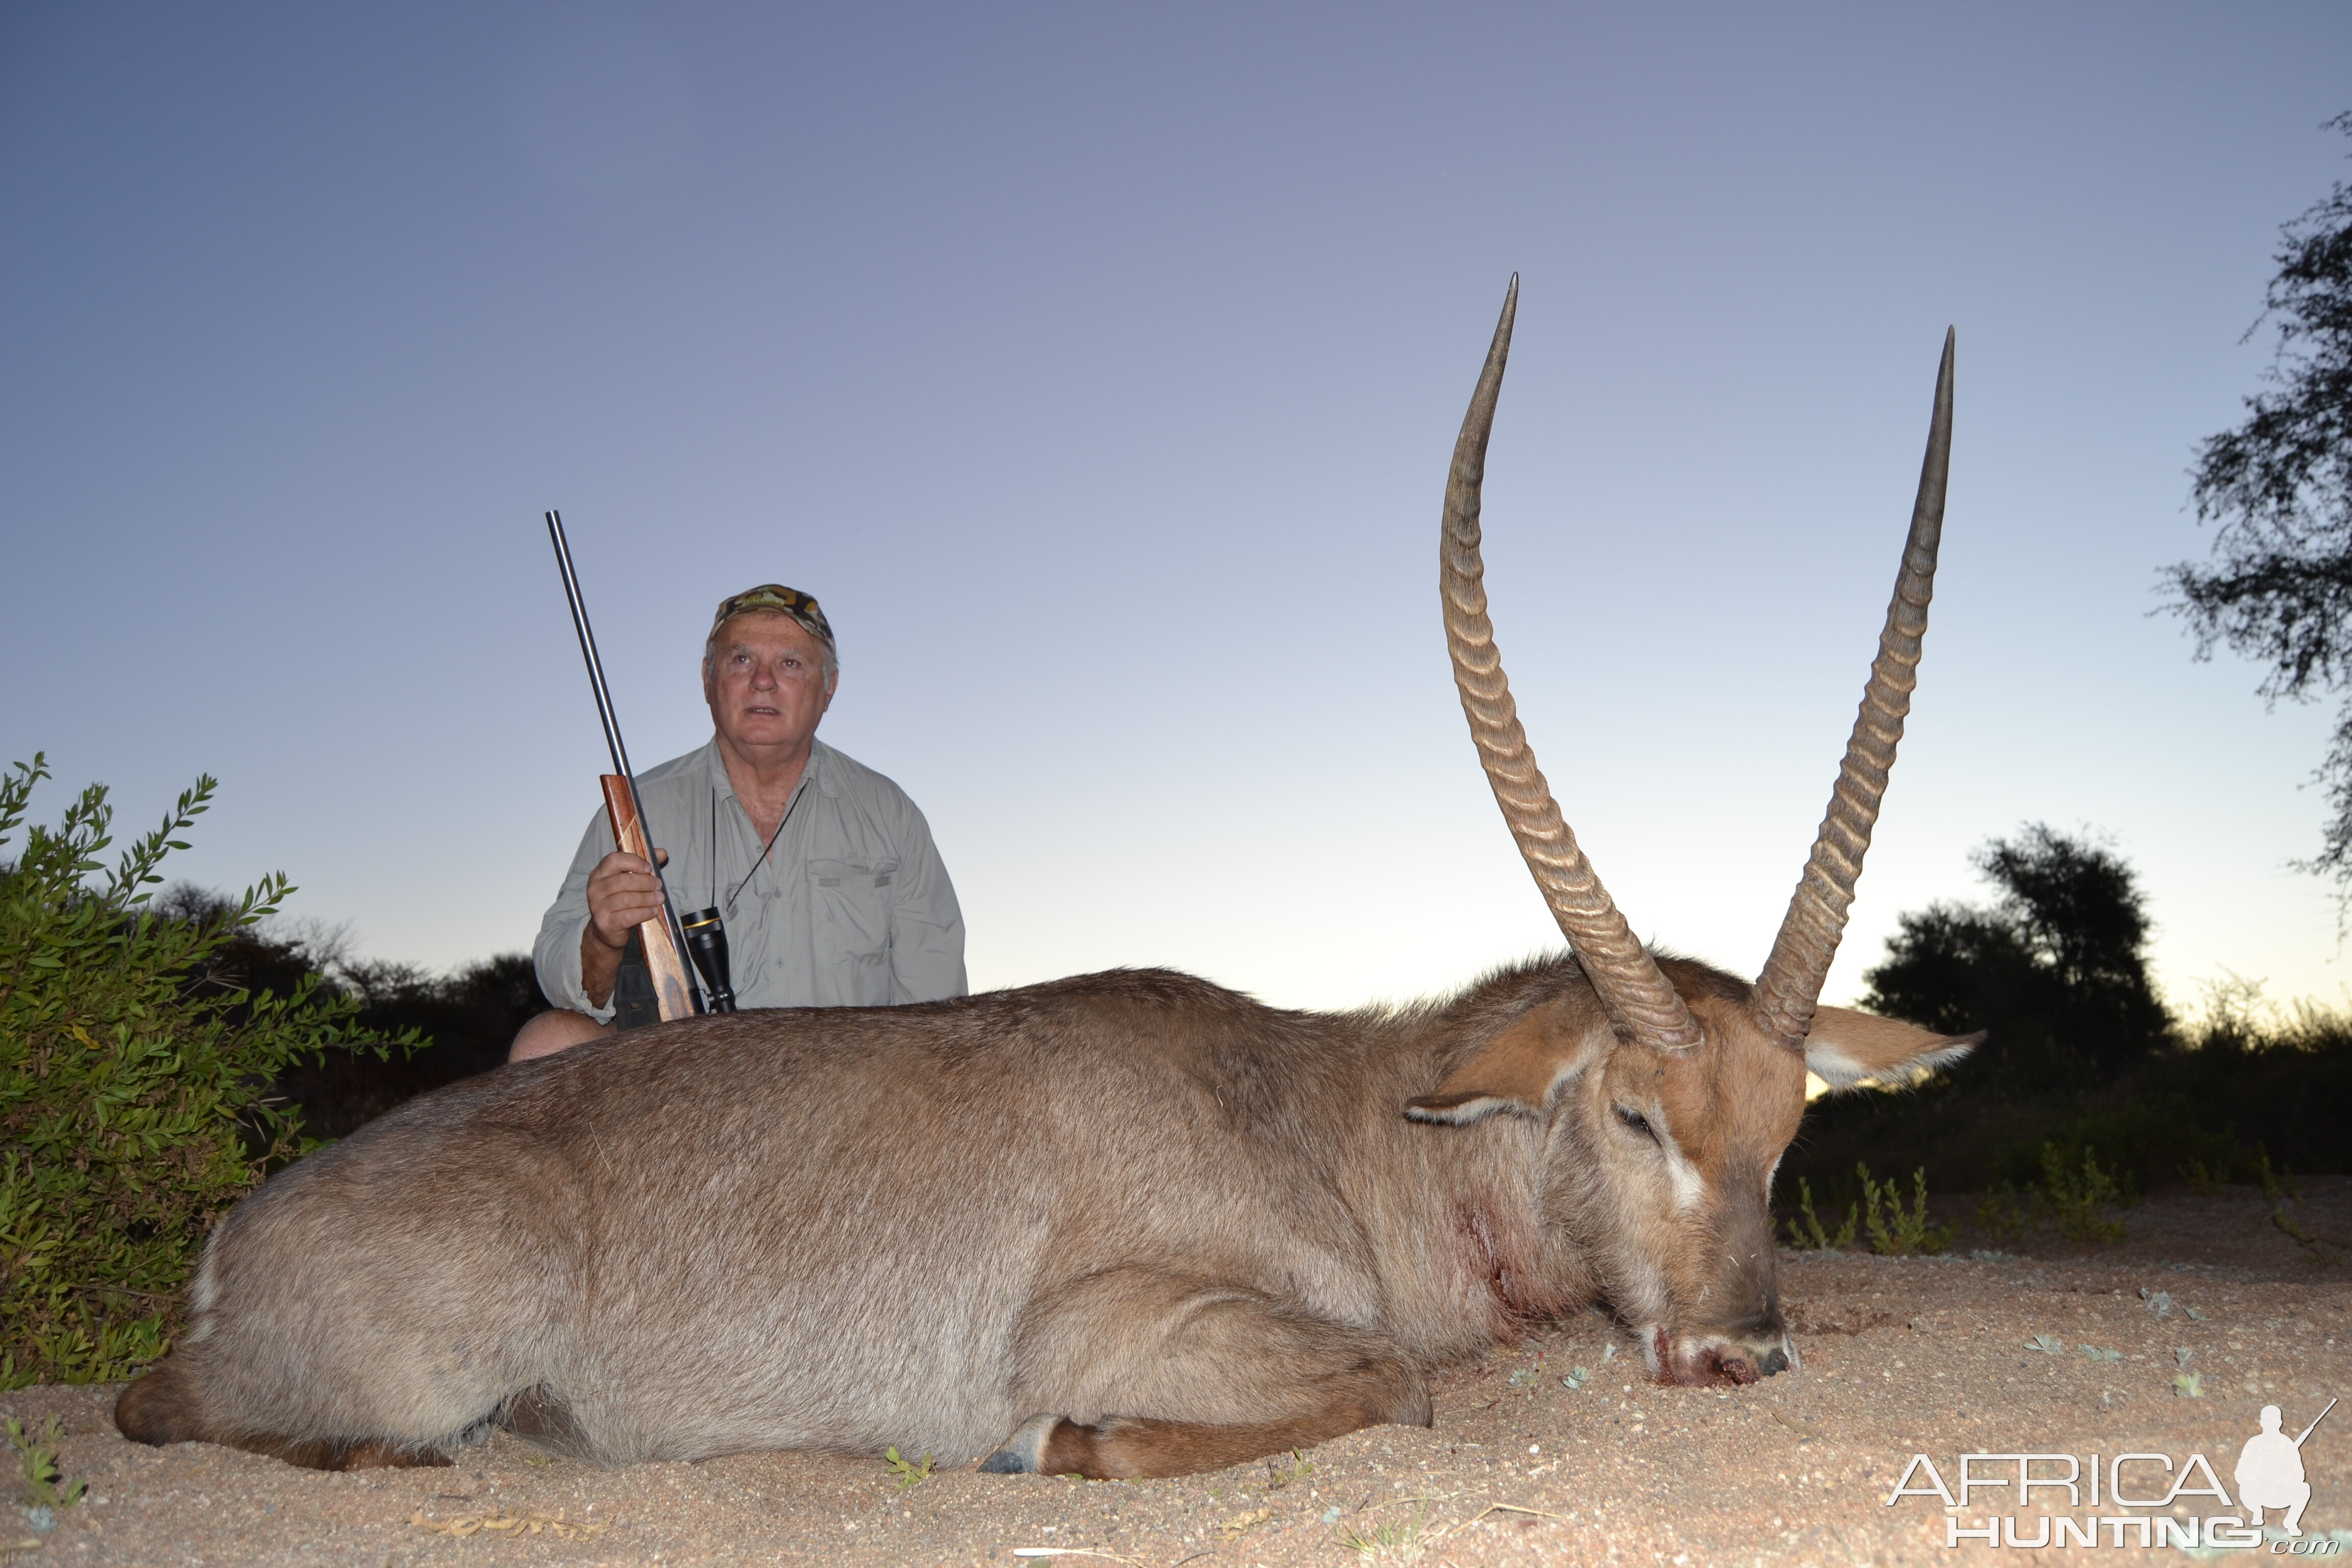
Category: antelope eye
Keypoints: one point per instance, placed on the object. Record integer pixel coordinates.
(1637, 1122)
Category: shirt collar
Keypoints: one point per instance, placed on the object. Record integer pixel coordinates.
(817, 775)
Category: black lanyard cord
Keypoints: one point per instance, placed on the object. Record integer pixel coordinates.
(790, 806)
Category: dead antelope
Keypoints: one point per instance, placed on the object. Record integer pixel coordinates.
(1124, 1224)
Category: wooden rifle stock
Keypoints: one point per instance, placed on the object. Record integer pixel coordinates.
(674, 997)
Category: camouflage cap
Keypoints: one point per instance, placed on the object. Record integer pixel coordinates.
(776, 597)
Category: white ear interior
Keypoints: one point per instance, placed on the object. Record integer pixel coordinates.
(1447, 1110)
(1847, 1047)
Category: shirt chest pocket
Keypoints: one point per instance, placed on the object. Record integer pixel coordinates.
(849, 905)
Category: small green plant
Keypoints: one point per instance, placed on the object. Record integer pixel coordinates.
(2078, 1197)
(1809, 1237)
(1901, 1233)
(911, 1475)
(2003, 1214)
(1398, 1541)
(2278, 1186)
(1575, 1380)
(135, 1073)
(1524, 1376)
(2189, 1385)
(1281, 1472)
(2046, 1345)
(2093, 1353)
(2280, 1191)
(37, 1465)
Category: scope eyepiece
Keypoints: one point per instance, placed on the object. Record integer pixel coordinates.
(706, 938)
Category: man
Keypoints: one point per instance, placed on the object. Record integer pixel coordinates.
(822, 869)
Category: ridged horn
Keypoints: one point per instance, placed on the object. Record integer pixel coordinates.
(1790, 986)
(1628, 980)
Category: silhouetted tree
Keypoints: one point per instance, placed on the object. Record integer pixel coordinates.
(2056, 968)
(1950, 967)
(2280, 587)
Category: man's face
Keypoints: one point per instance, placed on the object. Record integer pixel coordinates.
(765, 682)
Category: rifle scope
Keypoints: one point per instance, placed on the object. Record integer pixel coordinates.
(706, 938)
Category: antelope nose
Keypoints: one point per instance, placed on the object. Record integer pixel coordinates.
(1776, 1360)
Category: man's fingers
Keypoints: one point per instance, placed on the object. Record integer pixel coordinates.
(616, 920)
(622, 894)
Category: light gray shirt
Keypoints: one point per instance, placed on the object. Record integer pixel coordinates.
(851, 908)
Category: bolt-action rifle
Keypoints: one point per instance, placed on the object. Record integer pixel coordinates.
(655, 945)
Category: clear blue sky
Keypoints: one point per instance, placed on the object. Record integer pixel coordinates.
(1097, 366)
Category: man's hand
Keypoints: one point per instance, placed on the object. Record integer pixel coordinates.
(622, 894)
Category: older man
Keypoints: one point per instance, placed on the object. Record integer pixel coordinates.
(822, 869)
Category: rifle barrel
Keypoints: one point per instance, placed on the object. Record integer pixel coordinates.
(613, 743)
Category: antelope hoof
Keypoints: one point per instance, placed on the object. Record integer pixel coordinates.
(1023, 1453)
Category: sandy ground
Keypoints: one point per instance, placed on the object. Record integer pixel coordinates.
(1901, 1357)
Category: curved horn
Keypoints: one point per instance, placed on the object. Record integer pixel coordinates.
(1628, 980)
(1791, 986)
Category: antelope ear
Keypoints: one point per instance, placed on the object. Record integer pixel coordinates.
(1516, 1071)
(1847, 1047)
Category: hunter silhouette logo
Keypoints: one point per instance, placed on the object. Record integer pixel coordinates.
(2270, 1471)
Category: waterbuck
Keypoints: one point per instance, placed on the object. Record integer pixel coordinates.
(1128, 1223)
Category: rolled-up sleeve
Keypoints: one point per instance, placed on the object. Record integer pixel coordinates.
(926, 921)
(556, 954)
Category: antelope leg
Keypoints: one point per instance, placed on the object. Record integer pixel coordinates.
(1128, 1447)
(1142, 1372)
(162, 1408)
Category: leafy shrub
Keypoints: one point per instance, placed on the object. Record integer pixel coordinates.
(1895, 1230)
(1901, 1233)
(467, 1018)
(2078, 1199)
(470, 1017)
(1806, 1233)
(37, 1465)
(2003, 1214)
(134, 1074)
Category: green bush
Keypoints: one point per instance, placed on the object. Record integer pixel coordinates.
(2078, 1198)
(1806, 1233)
(2003, 1214)
(1901, 1233)
(134, 1085)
